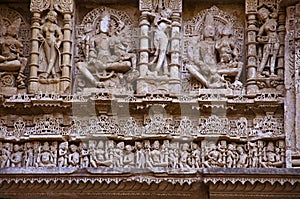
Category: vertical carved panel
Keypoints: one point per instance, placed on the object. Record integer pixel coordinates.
(50, 66)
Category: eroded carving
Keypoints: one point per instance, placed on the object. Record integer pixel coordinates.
(50, 55)
(147, 154)
(268, 39)
(11, 61)
(212, 49)
(106, 47)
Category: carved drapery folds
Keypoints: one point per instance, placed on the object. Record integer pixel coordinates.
(51, 53)
(105, 51)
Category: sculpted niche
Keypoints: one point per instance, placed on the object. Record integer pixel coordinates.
(12, 47)
(106, 53)
(212, 49)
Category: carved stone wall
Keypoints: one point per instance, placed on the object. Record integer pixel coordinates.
(160, 98)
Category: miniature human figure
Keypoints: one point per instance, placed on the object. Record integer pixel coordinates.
(174, 156)
(155, 155)
(271, 160)
(17, 156)
(10, 58)
(242, 158)
(161, 40)
(6, 153)
(63, 154)
(119, 155)
(253, 155)
(203, 57)
(147, 148)
(53, 150)
(267, 35)
(228, 53)
(45, 157)
(164, 156)
(184, 156)
(214, 157)
(195, 156)
(101, 57)
(51, 37)
(231, 156)
(128, 157)
(109, 152)
(74, 156)
(140, 155)
(97, 155)
(84, 155)
(29, 154)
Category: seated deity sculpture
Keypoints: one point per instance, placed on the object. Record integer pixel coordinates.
(203, 58)
(215, 63)
(11, 59)
(107, 54)
(229, 64)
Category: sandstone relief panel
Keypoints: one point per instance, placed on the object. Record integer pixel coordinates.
(51, 53)
(14, 39)
(114, 88)
(107, 60)
(212, 45)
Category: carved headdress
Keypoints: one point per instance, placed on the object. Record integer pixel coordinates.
(209, 20)
(13, 29)
(227, 30)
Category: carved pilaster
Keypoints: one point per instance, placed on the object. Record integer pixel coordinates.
(144, 45)
(297, 76)
(34, 65)
(281, 34)
(251, 46)
(66, 55)
(290, 79)
(175, 53)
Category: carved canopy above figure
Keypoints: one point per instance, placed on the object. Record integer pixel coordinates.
(105, 51)
(213, 46)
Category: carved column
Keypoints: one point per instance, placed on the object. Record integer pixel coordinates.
(251, 6)
(144, 45)
(292, 92)
(34, 60)
(297, 76)
(67, 55)
(175, 53)
(281, 33)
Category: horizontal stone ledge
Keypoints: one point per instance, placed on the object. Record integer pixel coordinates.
(210, 175)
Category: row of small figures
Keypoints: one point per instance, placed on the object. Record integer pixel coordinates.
(144, 154)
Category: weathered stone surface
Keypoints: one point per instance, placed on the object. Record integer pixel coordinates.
(149, 99)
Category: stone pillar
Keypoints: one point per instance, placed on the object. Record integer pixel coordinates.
(66, 55)
(251, 65)
(143, 63)
(34, 56)
(289, 82)
(175, 54)
(281, 33)
(144, 45)
(297, 76)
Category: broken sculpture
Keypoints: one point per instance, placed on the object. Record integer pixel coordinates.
(11, 60)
